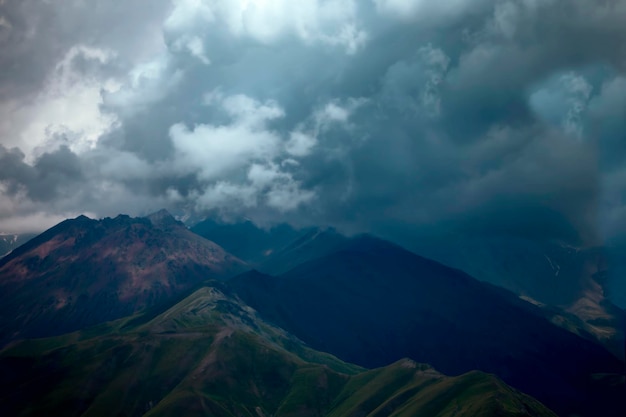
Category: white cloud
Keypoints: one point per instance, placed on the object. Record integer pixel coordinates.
(218, 153)
(224, 194)
(266, 184)
(288, 196)
(186, 26)
(300, 144)
(188, 13)
(412, 86)
(118, 165)
(215, 151)
(65, 112)
(249, 112)
(337, 111)
(305, 137)
(422, 9)
(349, 36)
(280, 189)
(332, 22)
(563, 101)
(194, 45)
(507, 16)
(147, 84)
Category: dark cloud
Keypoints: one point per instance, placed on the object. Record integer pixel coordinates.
(383, 116)
(54, 175)
(37, 34)
(14, 173)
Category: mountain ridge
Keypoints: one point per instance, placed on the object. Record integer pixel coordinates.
(84, 271)
(344, 294)
(209, 354)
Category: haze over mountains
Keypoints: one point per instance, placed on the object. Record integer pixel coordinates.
(576, 281)
(215, 339)
(8, 242)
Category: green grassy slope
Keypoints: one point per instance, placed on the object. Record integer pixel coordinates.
(410, 389)
(210, 355)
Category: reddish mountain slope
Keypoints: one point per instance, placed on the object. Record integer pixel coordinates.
(83, 272)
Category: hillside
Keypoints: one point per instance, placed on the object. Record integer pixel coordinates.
(211, 355)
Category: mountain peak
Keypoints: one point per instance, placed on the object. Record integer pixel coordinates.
(85, 272)
(162, 218)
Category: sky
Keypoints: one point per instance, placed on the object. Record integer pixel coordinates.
(477, 117)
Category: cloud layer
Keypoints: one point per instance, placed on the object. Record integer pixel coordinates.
(504, 117)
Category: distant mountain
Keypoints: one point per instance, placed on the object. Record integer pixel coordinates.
(84, 272)
(309, 245)
(372, 302)
(550, 272)
(8, 242)
(569, 284)
(212, 355)
(615, 283)
(246, 240)
(275, 250)
(576, 280)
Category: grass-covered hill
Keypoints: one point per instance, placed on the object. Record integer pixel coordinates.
(210, 355)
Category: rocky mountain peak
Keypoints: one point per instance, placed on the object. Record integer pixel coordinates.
(163, 218)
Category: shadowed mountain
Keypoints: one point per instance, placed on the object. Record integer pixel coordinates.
(245, 240)
(83, 272)
(212, 355)
(372, 303)
(275, 250)
(550, 272)
(576, 280)
(566, 282)
(615, 282)
(311, 244)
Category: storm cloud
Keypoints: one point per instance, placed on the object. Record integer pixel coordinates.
(501, 116)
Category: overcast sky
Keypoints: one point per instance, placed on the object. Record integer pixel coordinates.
(376, 115)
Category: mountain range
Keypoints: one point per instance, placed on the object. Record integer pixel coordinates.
(583, 282)
(573, 286)
(143, 316)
